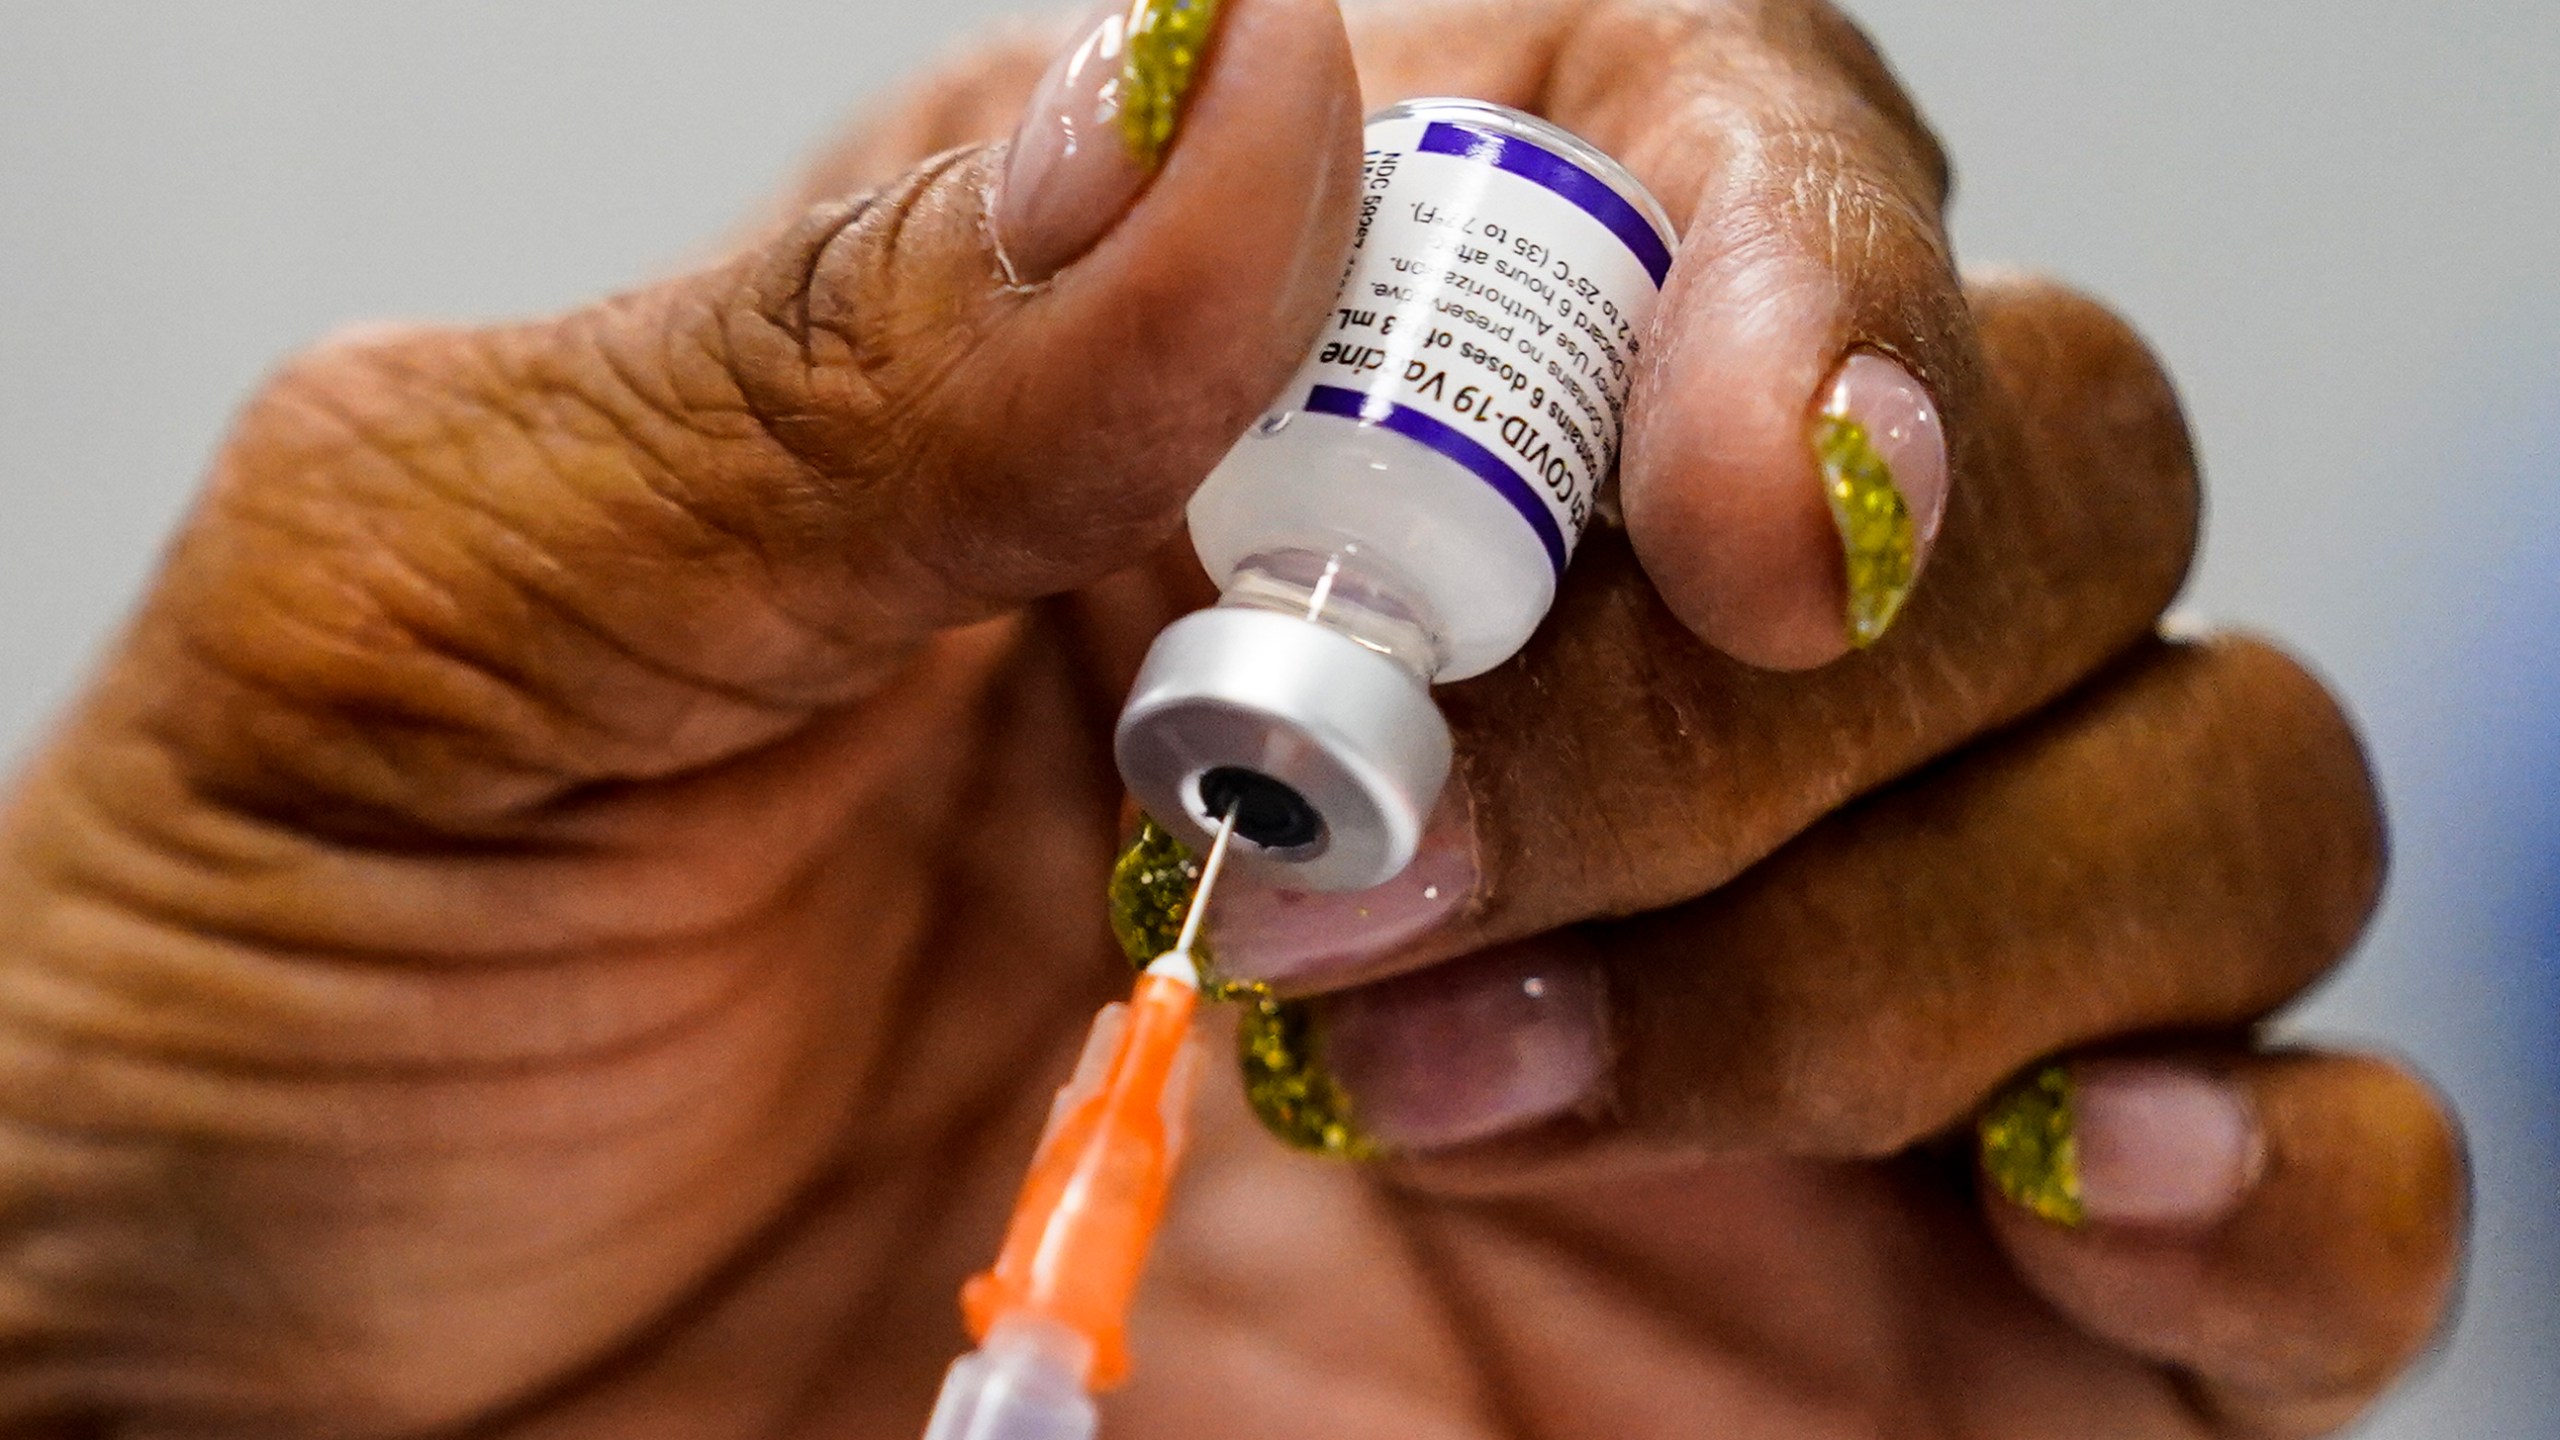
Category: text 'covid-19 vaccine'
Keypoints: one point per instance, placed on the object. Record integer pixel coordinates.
(1403, 514)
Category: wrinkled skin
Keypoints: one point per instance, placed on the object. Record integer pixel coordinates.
(562, 915)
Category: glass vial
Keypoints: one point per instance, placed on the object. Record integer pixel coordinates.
(1403, 514)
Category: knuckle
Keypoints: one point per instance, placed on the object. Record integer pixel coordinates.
(1834, 1107)
(414, 586)
(1862, 1078)
(445, 562)
(842, 337)
(1769, 1055)
(1882, 234)
(1857, 1105)
(1853, 54)
(305, 591)
(844, 343)
(1775, 62)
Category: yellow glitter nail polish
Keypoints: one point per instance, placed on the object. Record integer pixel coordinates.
(1151, 892)
(1877, 535)
(1166, 41)
(1286, 1084)
(1150, 897)
(2029, 1150)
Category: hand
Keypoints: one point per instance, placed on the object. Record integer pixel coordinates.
(562, 915)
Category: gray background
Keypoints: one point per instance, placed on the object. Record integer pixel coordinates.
(2338, 221)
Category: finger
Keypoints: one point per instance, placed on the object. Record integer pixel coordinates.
(2184, 848)
(1786, 460)
(1620, 766)
(455, 573)
(2283, 1229)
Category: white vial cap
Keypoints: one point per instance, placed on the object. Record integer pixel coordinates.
(1332, 753)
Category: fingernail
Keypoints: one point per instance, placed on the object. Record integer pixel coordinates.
(1299, 938)
(1166, 41)
(1098, 125)
(1287, 1085)
(2123, 1143)
(2162, 1144)
(1883, 454)
(2030, 1151)
(1458, 1053)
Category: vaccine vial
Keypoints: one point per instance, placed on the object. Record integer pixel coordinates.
(1402, 515)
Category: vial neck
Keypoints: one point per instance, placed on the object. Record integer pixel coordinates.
(1344, 591)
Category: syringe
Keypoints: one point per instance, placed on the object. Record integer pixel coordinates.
(1051, 1317)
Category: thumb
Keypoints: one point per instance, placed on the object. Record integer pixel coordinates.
(653, 533)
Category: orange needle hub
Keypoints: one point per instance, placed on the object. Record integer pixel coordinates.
(1090, 1206)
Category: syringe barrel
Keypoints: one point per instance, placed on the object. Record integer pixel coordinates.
(1022, 1384)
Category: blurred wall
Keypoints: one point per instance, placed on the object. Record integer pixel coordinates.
(2338, 222)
